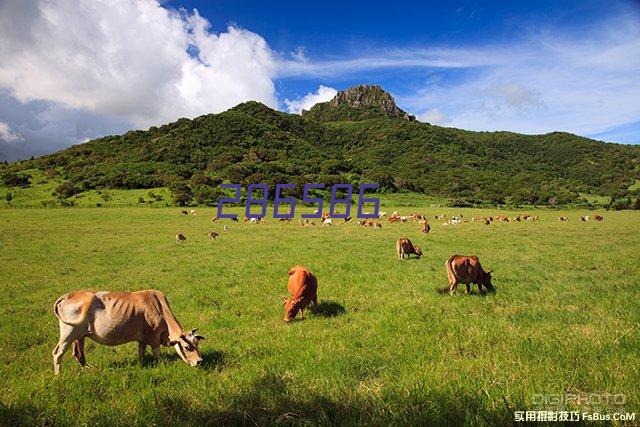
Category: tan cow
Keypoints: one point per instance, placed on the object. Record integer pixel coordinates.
(114, 318)
(303, 290)
(213, 235)
(425, 227)
(405, 247)
(467, 270)
(597, 217)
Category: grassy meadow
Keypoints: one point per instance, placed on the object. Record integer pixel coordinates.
(386, 347)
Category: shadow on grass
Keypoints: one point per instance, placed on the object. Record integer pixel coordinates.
(211, 359)
(330, 309)
(273, 400)
(461, 291)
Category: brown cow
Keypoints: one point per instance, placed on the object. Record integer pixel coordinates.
(180, 238)
(467, 270)
(114, 318)
(425, 227)
(213, 235)
(563, 219)
(404, 246)
(303, 288)
(597, 217)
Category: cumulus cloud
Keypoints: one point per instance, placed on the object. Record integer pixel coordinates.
(7, 135)
(131, 59)
(323, 94)
(433, 116)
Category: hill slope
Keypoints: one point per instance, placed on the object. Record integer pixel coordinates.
(361, 136)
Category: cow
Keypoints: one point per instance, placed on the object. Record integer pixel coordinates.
(225, 228)
(405, 247)
(425, 227)
(467, 270)
(180, 238)
(114, 318)
(486, 221)
(381, 214)
(214, 219)
(184, 212)
(303, 290)
(284, 219)
(327, 221)
(597, 217)
(193, 212)
(213, 235)
(234, 219)
(563, 219)
(583, 219)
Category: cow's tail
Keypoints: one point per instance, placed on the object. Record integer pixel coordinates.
(450, 274)
(84, 310)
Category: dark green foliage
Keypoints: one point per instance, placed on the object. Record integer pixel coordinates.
(252, 144)
(8, 197)
(67, 189)
(13, 179)
(181, 193)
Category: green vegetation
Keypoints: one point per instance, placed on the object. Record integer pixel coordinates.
(338, 143)
(387, 347)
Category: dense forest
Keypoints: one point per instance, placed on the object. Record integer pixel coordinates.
(343, 143)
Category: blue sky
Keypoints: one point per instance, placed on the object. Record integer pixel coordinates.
(70, 72)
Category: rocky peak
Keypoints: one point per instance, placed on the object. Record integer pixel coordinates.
(370, 100)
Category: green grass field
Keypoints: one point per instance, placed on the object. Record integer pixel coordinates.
(386, 348)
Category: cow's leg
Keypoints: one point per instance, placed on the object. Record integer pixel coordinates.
(315, 305)
(78, 351)
(452, 287)
(468, 291)
(142, 348)
(67, 336)
(156, 353)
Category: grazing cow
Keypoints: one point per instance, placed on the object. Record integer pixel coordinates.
(467, 270)
(381, 214)
(325, 215)
(284, 219)
(486, 221)
(597, 217)
(114, 318)
(376, 224)
(405, 247)
(303, 290)
(234, 219)
(455, 220)
(425, 227)
(563, 219)
(193, 212)
(213, 235)
(225, 228)
(347, 219)
(184, 212)
(583, 219)
(214, 219)
(327, 222)
(180, 238)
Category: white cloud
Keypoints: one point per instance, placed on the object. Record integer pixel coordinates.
(131, 59)
(323, 94)
(7, 135)
(433, 116)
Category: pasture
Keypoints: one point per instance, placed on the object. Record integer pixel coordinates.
(386, 346)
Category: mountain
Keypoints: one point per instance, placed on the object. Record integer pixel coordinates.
(358, 103)
(359, 136)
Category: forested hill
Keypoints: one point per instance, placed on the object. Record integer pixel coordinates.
(360, 136)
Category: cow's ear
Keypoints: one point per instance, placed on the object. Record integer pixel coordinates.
(184, 338)
(199, 337)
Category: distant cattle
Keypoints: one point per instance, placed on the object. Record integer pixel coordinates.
(114, 318)
(327, 222)
(405, 247)
(213, 235)
(184, 212)
(425, 227)
(225, 228)
(193, 212)
(180, 238)
(284, 219)
(563, 219)
(467, 270)
(597, 217)
(347, 219)
(381, 214)
(234, 219)
(486, 221)
(214, 219)
(303, 290)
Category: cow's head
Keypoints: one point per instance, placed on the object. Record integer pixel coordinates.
(187, 347)
(486, 281)
(291, 308)
(418, 251)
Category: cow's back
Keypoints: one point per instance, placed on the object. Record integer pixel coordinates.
(301, 283)
(126, 316)
(465, 268)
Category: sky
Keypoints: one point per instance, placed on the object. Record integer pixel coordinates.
(73, 70)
